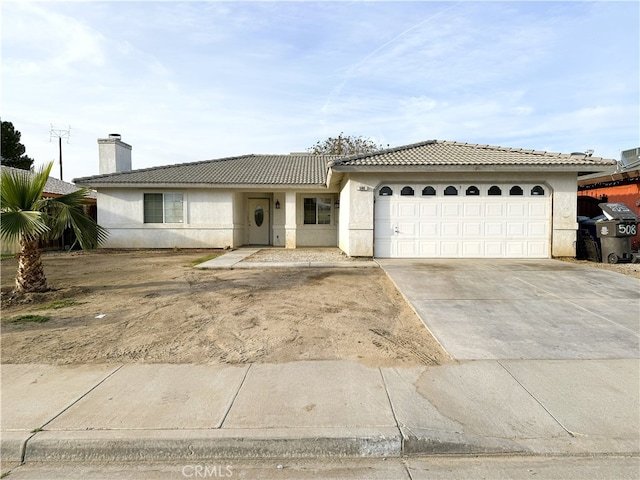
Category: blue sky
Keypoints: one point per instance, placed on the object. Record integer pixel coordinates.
(187, 81)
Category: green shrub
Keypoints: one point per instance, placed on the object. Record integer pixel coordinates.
(30, 318)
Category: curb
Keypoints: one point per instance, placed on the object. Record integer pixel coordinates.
(190, 445)
(301, 443)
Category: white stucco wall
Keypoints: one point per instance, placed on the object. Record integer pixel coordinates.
(356, 235)
(278, 220)
(212, 219)
(356, 215)
(316, 235)
(240, 230)
(564, 216)
(208, 220)
(218, 218)
(288, 228)
(344, 215)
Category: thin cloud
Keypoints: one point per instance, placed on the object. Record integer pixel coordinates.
(353, 69)
(186, 81)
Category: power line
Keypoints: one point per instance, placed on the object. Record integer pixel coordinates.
(60, 134)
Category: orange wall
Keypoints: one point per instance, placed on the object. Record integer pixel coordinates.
(627, 194)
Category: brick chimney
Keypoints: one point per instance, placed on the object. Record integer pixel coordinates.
(114, 154)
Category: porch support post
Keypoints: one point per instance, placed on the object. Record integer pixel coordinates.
(290, 220)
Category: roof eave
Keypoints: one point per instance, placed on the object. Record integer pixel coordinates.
(217, 186)
(466, 168)
(609, 177)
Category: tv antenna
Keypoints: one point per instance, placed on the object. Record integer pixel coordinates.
(60, 134)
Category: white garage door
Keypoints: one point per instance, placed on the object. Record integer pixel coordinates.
(469, 220)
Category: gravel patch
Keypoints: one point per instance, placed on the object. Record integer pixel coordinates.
(321, 255)
(631, 269)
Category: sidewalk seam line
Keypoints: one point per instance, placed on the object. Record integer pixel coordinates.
(82, 396)
(393, 412)
(406, 467)
(572, 434)
(23, 450)
(233, 400)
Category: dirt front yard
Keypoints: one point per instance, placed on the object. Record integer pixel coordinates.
(154, 307)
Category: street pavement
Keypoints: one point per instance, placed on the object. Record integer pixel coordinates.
(498, 397)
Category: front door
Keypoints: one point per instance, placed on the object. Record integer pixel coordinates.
(259, 221)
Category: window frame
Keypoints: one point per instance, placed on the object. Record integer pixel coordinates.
(168, 209)
(318, 201)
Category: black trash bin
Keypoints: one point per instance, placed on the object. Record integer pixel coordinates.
(615, 233)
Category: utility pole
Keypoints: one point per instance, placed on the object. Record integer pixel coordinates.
(60, 134)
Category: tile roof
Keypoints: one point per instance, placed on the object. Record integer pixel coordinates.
(305, 169)
(53, 185)
(444, 153)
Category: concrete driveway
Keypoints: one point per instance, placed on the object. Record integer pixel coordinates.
(522, 309)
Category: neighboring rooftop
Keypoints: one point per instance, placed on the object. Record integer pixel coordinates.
(297, 169)
(626, 171)
(445, 153)
(53, 186)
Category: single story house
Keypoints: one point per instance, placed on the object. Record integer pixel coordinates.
(428, 199)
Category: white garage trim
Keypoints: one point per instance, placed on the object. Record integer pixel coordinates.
(450, 220)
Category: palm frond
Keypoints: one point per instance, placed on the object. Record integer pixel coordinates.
(22, 189)
(17, 224)
(26, 214)
(88, 232)
(66, 211)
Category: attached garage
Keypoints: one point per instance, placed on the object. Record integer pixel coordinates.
(440, 199)
(462, 220)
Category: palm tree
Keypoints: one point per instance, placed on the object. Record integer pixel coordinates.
(28, 218)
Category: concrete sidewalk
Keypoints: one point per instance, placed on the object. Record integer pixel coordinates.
(320, 408)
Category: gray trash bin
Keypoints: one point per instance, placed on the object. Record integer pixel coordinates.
(615, 233)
